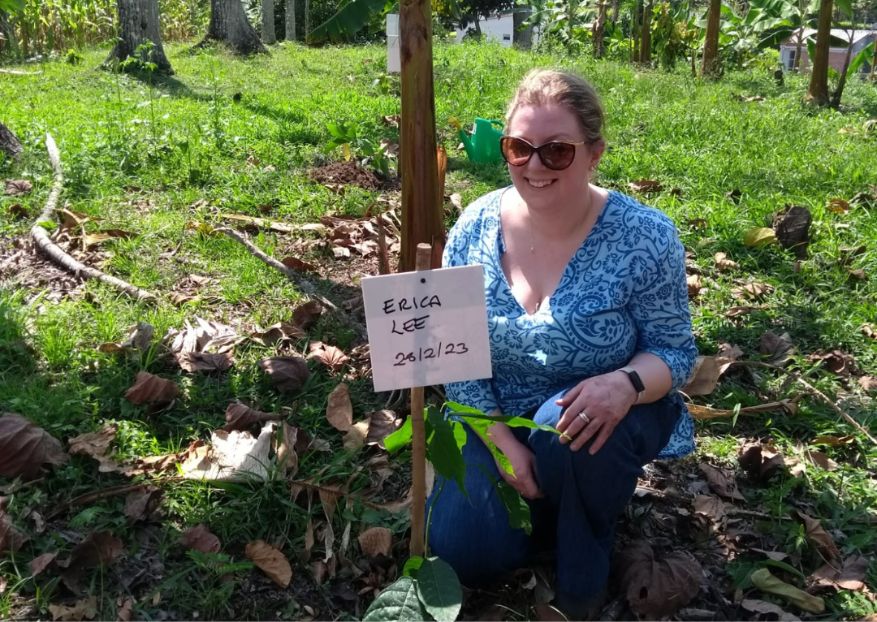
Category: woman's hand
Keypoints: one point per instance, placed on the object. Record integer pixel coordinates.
(522, 460)
(593, 408)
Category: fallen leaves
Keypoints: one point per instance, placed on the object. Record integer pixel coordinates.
(199, 538)
(818, 537)
(330, 356)
(17, 187)
(232, 456)
(759, 236)
(792, 228)
(270, 561)
(339, 409)
(240, 417)
(11, 539)
(849, 575)
(708, 370)
(84, 609)
(206, 346)
(721, 481)
(376, 541)
(646, 186)
(138, 339)
(287, 373)
(658, 587)
(150, 389)
(26, 448)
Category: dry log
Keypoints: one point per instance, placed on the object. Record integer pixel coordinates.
(9, 142)
(55, 252)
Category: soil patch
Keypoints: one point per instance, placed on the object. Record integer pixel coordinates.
(336, 175)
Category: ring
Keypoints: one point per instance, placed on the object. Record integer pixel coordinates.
(566, 436)
(584, 417)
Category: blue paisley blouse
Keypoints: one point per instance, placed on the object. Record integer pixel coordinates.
(623, 292)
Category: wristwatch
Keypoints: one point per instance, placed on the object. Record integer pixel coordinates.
(635, 380)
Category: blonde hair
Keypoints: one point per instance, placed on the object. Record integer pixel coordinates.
(549, 86)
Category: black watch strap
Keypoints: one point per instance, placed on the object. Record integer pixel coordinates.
(634, 378)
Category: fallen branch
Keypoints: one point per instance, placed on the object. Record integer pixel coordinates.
(55, 252)
(273, 225)
(818, 394)
(298, 279)
(703, 413)
(19, 72)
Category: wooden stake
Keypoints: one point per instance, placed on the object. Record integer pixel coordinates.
(418, 443)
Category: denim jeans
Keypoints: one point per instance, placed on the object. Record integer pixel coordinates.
(583, 497)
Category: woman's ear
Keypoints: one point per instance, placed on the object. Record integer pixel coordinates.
(595, 151)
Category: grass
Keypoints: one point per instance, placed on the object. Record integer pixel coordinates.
(232, 135)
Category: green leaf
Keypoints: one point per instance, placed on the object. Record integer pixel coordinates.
(481, 427)
(511, 421)
(517, 507)
(397, 602)
(347, 21)
(759, 236)
(412, 566)
(400, 438)
(860, 58)
(444, 446)
(439, 589)
(11, 6)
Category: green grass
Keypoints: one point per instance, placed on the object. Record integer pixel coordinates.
(155, 158)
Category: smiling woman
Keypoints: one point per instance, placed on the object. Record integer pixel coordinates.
(590, 333)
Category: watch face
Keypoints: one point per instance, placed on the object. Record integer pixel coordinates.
(636, 381)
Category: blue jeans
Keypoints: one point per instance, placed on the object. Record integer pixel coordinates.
(584, 495)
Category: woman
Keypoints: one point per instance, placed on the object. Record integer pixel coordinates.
(590, 332)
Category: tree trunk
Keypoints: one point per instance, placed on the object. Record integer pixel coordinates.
(523, 35)
(613, 15)
(873, 75)
(229, 25)
(307, 19)
(290, 20)
(422, 218)
(645, 46)
(817, 93)
(842, 81)
(635, 30)
(799, 47)
(9, 143)
(138, 24)
(268, 35)
(7, 34)
(599, 29)
(710, 66)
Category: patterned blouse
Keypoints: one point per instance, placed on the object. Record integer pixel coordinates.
(623, 292)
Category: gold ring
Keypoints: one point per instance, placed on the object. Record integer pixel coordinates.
(566, 436)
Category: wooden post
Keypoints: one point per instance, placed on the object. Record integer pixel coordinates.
(421, 214)
(418, 443)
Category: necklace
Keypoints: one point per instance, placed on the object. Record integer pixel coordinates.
(589, 202)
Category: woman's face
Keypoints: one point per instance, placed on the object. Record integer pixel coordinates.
(540, 186)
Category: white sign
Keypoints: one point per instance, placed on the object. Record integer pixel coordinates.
(394, 62)
(427, 327)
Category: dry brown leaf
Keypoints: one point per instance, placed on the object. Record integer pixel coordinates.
(818, 537)
(710, 506)
(124, 609)
(199, 538)
(833, 441)
(141, 504)
(25, 448)
(90, 240)
(869, 330)
(204, 336)
(761, 461)
(868, 383)
(838, 206)
(658, 587)
(339, 410)
(38, 564)
(100, 548)
(836, 361)
(205, 361)
(376, 541)
(645, 186)
(792, 228)
(354, 438)
(270, 561)
(735, 312)
(723, 264)
(291, 440)
(330, 356)
(778, 348)
(94, 444)
(721, 481)
(11, 539)
(754, 605)
(232, 456)
(282, 332)
(752, 290)
(695, 284)
(820, 459)
(139, 338)
(456, 200)
(85, 609)
(240, 417)
(849, 576)
(708, 370)
(18, 187)
(381, 423)
(287, 373)
(149, 389)
(294, 263)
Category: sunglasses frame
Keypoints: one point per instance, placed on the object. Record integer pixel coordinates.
(538, 150)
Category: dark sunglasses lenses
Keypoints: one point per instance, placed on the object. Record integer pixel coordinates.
(555, 155)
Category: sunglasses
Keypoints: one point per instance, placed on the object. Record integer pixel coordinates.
(556, 155)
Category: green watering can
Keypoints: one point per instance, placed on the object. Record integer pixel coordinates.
(482, 143)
